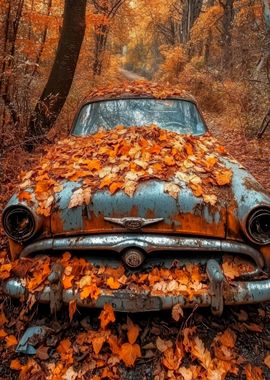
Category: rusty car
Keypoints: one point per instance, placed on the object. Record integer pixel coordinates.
(150, 228)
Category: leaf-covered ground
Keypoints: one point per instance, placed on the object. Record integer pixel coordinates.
(106, 346)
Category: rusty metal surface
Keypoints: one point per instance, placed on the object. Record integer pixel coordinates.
(217, 280)
(186, 214)
(126, 301)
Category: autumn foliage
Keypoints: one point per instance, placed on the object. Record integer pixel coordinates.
(121, 159)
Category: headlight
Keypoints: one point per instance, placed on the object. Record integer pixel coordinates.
(258, 225)
(19, 223)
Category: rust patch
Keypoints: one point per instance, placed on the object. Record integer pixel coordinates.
(266, 254)
(233, 225)
(15, 249)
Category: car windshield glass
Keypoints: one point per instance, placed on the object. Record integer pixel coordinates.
(175, 115)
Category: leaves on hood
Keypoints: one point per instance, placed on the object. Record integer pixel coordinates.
(123, 158)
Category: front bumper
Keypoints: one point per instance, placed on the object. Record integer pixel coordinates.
(220, 293)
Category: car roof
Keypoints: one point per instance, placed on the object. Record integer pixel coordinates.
(138, 89)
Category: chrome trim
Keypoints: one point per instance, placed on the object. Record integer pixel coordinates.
(133, 223)
(148, 243)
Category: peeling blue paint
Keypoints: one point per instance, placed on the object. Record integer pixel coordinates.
(71, 217)
(246, 197)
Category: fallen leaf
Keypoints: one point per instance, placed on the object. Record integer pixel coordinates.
(132, 331)
(15, 364)
(163, 345)
(129, 353)
(106, 316)
(11, 340)
(177, 312)
(72, 305)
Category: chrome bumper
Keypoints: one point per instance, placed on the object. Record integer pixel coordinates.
(146, 242)
(220, 293)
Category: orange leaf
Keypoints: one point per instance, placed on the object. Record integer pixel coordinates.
(97, 343)
(25, 196)
(93, 164)
(197, 190)
(3, 333)
(11, 340)
(90, 290)
(170, 360)
(169, 161)
(114, 345)
(67, 281)
(106, 316)
(223, 177)
(64, 346)
(189, 149)
(227, 338)
(267, 360)
(5, 270)
(133, 331)
(115, 186)
(129, 353)
(72, 309)
(253, 373)
(112, 283)
(15, 364)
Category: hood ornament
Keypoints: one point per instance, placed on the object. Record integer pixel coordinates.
(133, 223)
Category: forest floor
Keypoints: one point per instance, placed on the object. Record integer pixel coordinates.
(249, 324)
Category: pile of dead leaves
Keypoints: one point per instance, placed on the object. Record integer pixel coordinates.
(89, 281)
(139, 88)
(104, 351)
(120, 160)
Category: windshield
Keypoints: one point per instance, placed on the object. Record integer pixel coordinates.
(175, 115)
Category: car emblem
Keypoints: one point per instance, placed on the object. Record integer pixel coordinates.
(133, 223)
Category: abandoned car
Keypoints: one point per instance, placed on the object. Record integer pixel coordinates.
(140, 183)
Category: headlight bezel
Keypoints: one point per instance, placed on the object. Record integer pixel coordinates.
(19, 211)
(254, 220)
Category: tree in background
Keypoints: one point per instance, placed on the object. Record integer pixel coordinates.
(105, 11)
(61, 77)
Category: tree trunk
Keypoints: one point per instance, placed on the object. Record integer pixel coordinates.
(226, 36)
(61, 77)
(191, 11)
(11, 26)
(100, 48)
(264, 125)
(266, 15)
(109, 10)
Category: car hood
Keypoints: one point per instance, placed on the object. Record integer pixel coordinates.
(152, 210)
(149, 205)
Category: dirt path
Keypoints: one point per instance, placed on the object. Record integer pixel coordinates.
(130, 75)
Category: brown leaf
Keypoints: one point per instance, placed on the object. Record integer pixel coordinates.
(177, 312)
(42, 353)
